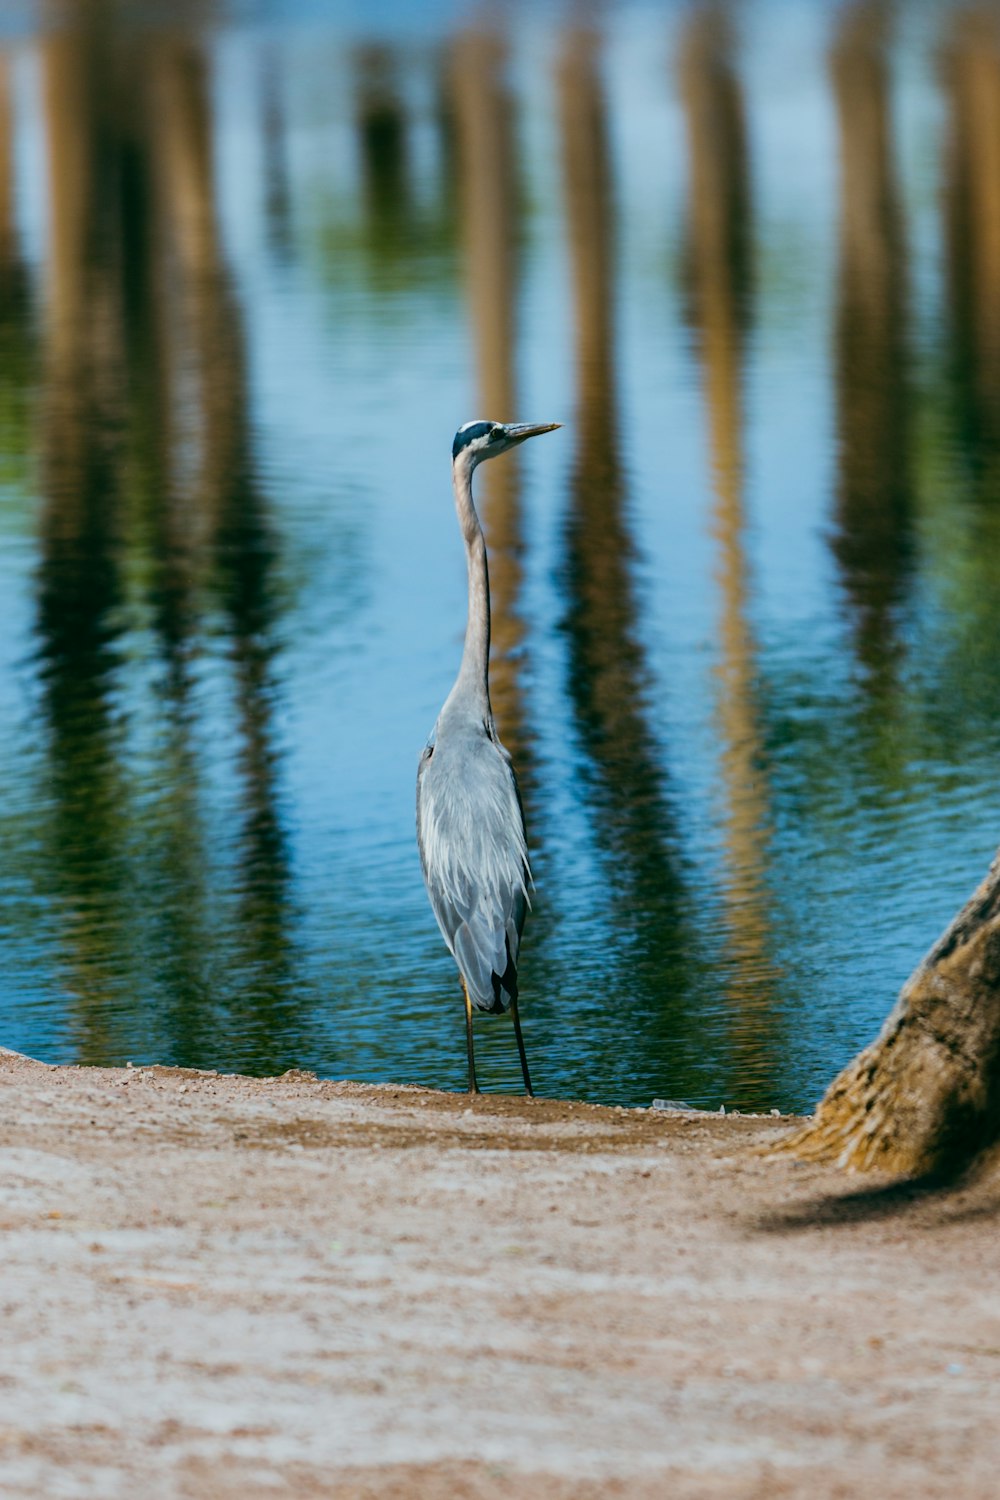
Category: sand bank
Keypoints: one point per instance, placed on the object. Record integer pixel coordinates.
(229, 1287)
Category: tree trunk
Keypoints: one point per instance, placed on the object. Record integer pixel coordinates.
(924, 1097)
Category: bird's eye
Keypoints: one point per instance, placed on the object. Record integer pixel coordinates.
(496, 434)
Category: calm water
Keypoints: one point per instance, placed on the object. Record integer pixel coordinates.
(254, 271)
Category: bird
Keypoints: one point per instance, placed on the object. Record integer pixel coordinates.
(470, 821)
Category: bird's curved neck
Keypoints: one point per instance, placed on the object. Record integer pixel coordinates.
(473, 674)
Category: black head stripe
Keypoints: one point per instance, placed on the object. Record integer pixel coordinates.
(466, 435)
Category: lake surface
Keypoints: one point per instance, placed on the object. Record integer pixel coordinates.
(256, 266)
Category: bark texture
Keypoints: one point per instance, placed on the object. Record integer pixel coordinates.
(924, 1097)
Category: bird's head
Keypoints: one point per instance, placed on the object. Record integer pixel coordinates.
(476, 441)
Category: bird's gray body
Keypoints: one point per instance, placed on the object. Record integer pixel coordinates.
(470, 832)
(470, 826)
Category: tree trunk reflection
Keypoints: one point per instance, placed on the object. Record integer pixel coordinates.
(873, 542)
(609, 687)
(719, 277)
(489, 202)
(149, 479)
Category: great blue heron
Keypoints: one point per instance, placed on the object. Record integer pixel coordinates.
(470, 824)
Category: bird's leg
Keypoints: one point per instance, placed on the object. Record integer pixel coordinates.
(520, 1047)
(473, 1085)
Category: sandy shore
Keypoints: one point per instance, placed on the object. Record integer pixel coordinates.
(218, 1286)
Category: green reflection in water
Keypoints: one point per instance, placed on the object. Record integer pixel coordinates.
(139, 302)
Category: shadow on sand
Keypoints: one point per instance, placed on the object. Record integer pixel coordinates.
(932, 1201)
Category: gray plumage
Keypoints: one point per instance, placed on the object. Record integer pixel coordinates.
(474, 854)
(470, 824)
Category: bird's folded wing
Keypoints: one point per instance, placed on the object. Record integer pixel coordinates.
(476, 868)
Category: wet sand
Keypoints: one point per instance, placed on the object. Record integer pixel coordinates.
(226, 1287)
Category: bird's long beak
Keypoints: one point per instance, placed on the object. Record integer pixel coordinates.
(518, 431)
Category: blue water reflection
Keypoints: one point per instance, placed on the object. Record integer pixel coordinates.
(253, 273)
